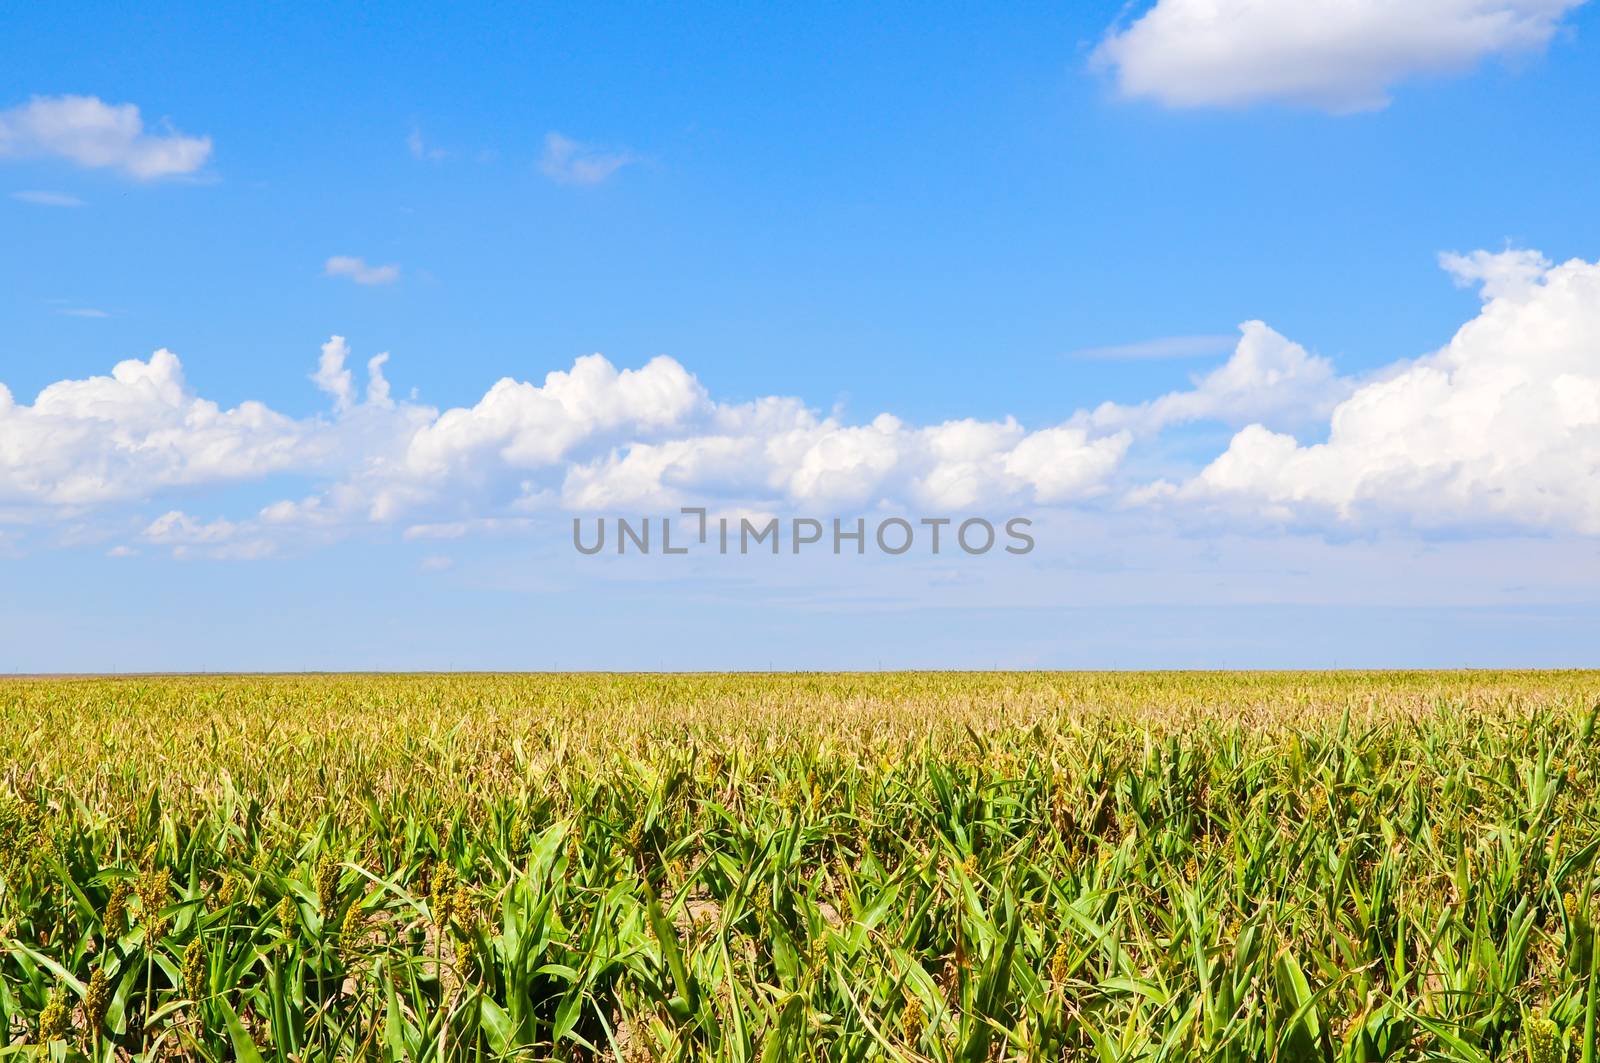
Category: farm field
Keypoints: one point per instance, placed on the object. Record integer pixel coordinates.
(914, 866)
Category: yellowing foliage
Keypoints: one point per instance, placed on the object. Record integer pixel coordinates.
(1115, 866)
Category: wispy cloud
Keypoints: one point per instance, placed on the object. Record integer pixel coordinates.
(221, 539)
(421, 149)
(82, 311)
(1164, 347)
(90, 132)
(46, 199)
(357, 269)
(570, 162)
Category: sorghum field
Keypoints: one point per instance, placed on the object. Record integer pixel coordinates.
(1316, 866)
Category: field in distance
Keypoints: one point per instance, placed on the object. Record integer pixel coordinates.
(913, 866)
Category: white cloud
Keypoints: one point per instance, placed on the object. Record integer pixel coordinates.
(1061, 464)
(522, 425)
(377, 384)
(220, 539)
(1495, 274)
(178, 527)
(137, 431)
(46, 199)
(357, 270)
(1338, 55)
(1499, 427)
(332, 377)
(590, 436)
(783, 455)
(1267, 378)
(82, 311)
(89, 132)
(569, 162)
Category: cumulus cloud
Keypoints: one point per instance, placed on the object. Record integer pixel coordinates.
(587, 437)
(356, 269)
(522, 425)
(1337, 55)
(1266, 378)
(127, 435)
(90, 132)
(786, 455)
(1499, 427)
(377, 383)
(1495, 274)
(333, 379)
(569, 162)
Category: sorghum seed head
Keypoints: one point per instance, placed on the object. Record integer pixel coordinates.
(911, 1019)
(1060, 962)
(227, 890)
(115, 921)
(327, 884)
(194, 970)
(462, 909)
(55, 1020)
(1542, 1039)
(466, 958)
(353, 932)
(97, 999)
(442, 893)
(153, 889)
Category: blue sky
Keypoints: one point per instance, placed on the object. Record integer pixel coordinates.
(931, 213)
